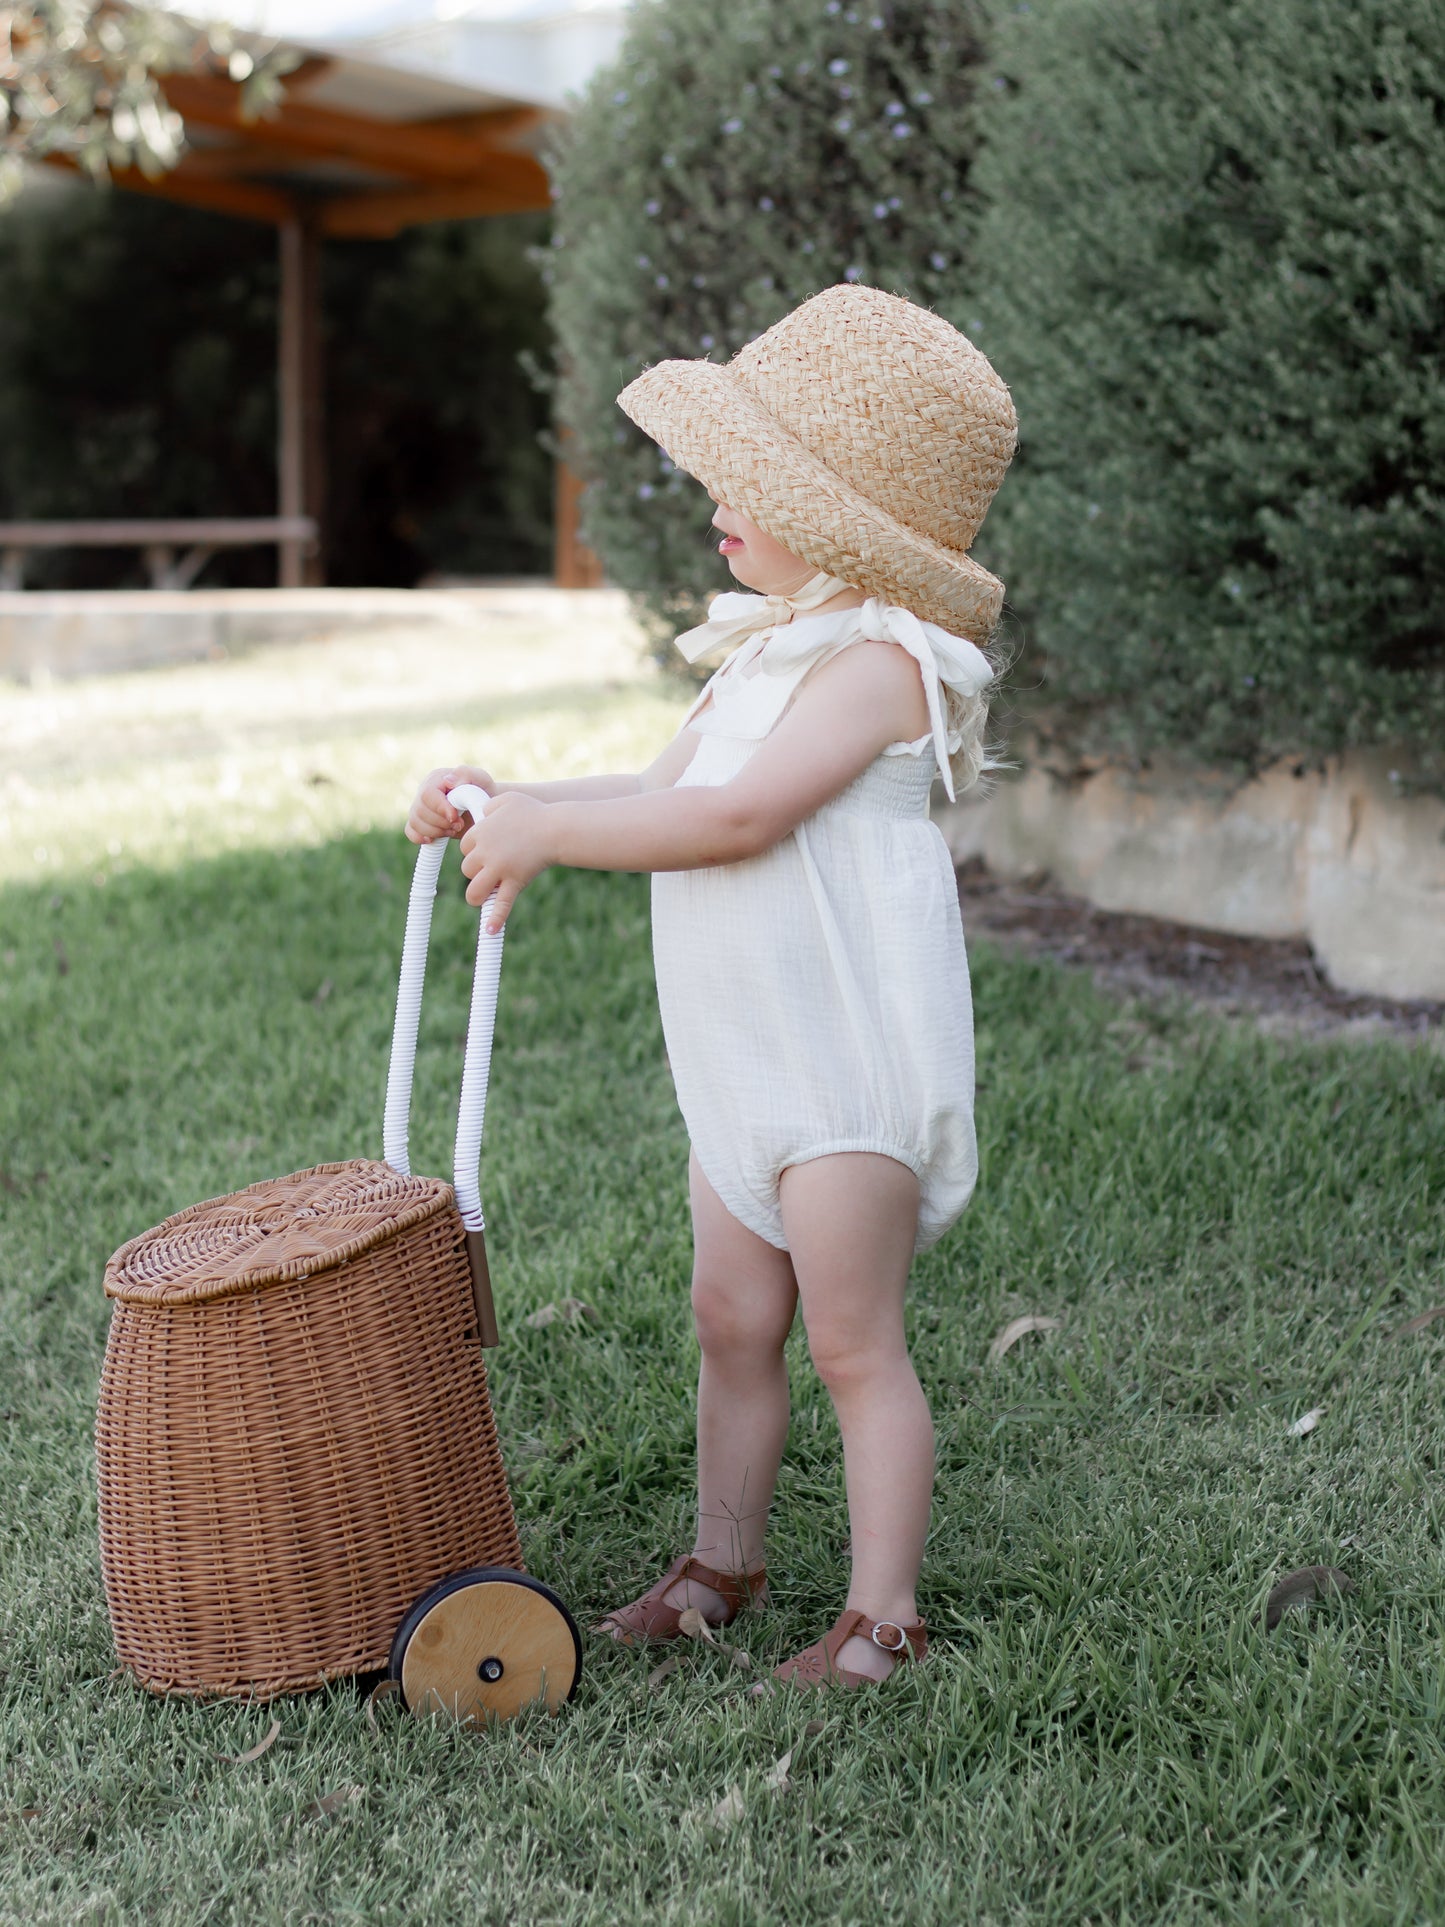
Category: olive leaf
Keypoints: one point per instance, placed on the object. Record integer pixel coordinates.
(330, 1804)
(660, 1673)
(1306, 1422)
(776, 1777)
(1016, 1329)
(692, 1625)
(571, 1310)
(1420, 1321)
(255, 1752)
(729, 1809)
(1298, 1591)
(380, 1695)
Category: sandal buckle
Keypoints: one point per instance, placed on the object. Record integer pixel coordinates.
(894, 1648)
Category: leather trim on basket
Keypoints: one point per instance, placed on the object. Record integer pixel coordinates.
(274, 1232)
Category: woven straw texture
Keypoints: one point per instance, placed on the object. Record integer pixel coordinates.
(294, 1437)
(865, 434)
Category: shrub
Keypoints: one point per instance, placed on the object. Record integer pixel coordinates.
(728, 166)
(1214, 263)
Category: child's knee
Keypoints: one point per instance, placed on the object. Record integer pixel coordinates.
(733, 1324)
(845, 1359)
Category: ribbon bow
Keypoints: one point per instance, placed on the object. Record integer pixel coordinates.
(732, 618)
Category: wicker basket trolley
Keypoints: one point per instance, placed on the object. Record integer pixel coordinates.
(299, 1475)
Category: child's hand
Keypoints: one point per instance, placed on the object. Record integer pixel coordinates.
(504, 852)
(431, 814)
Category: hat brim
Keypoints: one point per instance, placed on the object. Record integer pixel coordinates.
(710, 424)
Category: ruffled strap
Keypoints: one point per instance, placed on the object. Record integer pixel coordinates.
(945, 661)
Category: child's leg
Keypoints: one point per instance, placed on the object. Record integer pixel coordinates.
(743, 1298)
(851, 1221)
(744, 1295)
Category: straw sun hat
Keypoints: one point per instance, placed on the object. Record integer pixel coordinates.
(863, 433)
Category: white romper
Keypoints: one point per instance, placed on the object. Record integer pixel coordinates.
(815, 999)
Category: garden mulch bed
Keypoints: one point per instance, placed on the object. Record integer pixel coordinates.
(1276, 981)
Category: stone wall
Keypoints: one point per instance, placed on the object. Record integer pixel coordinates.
(1344, 857)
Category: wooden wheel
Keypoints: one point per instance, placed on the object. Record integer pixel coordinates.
(483, 1645)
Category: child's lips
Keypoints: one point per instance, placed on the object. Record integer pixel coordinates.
(730, 544)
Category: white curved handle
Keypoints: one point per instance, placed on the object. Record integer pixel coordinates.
(481, 1023)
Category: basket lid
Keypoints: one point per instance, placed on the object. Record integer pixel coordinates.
(272, 1233)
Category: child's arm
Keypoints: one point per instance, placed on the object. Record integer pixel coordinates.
(432, 815)
(842, 717)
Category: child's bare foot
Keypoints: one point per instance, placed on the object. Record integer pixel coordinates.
(858, 1655)
(714, 1608)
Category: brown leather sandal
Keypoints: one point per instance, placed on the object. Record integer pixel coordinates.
(817, 1665)
(650, 1620)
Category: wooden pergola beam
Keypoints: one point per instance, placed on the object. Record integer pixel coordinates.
(247, 200)
(376, 217)
(420, 150)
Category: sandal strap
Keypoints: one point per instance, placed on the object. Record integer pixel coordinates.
(817, 1665)
(739, 1589)
(900, 1641)
(650, 1618)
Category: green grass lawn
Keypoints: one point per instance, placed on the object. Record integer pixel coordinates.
(1231, 1229)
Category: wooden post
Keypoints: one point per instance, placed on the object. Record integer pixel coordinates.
(574, 566)
(301, 448)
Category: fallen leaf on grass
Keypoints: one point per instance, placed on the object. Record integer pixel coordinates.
(1306, 1422)
(1298, 1590)
(1420, 1321)
(660, 1673)
(1016, 1329)
(330, 1804)
(813, 1729)
(323, 991)
(729, 1809)
(62, 959)
(572, 1310)
(776, 1776)
(692, 1625)
(381, 1694)
(254, 1752)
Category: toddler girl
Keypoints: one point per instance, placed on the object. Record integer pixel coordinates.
(809, 952)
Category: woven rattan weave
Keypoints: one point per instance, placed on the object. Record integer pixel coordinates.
(295, 1436)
